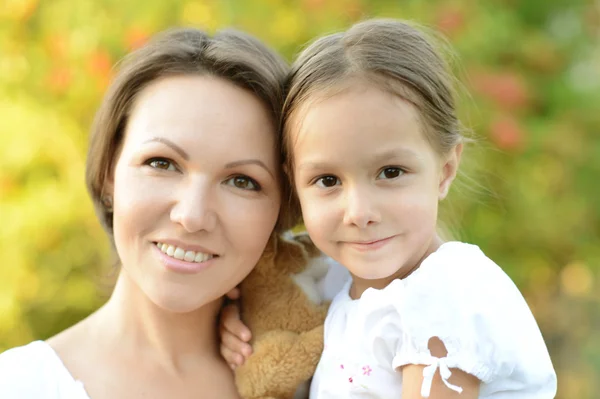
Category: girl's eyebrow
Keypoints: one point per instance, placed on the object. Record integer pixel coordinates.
(169, 143)
(394, 153)
(379, 157)
(313, 165)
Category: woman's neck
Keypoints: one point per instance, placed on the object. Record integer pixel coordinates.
(131, 322)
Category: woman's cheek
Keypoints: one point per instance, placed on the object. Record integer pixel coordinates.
(252, 218)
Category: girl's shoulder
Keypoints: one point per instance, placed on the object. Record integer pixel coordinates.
(459, 291)
(460, 271)
(35, 371)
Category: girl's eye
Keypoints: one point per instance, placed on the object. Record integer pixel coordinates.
(327, 181)
(161, 163)
(243, 182)
(390, 173)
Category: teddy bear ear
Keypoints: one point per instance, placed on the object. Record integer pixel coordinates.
(290, 256)
(272, 246)
(307, 244)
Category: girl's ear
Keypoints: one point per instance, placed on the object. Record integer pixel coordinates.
(449, 170)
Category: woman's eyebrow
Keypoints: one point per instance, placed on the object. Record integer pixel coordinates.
(249, 162)
(230, 165)
(169, 143)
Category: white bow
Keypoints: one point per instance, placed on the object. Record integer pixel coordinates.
(429, 372)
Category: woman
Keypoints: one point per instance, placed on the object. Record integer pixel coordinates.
(184, 171)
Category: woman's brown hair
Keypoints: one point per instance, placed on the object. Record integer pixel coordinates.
(229, 54)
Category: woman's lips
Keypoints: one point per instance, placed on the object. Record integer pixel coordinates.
(180, 265)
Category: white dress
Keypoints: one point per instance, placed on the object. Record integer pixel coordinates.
(458, 295)
(35, 371)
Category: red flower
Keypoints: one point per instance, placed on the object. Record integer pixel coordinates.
(507, 133)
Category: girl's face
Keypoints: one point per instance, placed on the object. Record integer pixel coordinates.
(368, 180)
(197, 178)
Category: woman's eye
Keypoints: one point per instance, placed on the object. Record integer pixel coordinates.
(243, 182)
(161, 163)
(390, 173)
(327, 181)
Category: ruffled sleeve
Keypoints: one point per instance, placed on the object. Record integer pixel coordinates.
(459, 296)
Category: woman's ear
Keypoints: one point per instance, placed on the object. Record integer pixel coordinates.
(285, 169)
(107, 196)
(449, 170)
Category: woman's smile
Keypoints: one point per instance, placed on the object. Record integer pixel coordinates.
(178, 260)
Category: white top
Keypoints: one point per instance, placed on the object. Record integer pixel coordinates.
(458, 295)
(35, 371)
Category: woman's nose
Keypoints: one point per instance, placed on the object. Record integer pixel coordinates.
(194, 209)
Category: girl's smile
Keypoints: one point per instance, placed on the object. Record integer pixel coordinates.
(372, 245)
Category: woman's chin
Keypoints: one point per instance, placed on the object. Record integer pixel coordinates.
(180, 302)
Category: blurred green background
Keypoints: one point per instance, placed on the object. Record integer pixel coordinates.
(532, 201)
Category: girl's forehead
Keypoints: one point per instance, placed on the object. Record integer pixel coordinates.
(357, 120)
(363, 106)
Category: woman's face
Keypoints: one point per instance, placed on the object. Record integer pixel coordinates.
(196, 192)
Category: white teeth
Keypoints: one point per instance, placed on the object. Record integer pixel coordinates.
(170, 250)
(182, 254)
(189, 256)
(179, 253)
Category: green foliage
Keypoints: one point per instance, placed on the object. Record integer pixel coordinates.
(531, 199)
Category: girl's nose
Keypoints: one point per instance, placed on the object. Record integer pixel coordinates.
(361, 209)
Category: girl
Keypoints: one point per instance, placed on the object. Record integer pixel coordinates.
(372, 144)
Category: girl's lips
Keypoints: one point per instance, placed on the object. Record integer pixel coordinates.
(181, 266)
(365, 246)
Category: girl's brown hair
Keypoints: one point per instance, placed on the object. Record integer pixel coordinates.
(394, 55)
(229, 54)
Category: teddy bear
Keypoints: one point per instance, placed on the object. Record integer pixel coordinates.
(285, 310)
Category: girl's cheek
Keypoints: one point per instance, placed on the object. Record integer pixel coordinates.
(316, 216)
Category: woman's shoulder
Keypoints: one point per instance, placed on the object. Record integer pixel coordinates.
(24, 370)
(33, 371)
(29, 358)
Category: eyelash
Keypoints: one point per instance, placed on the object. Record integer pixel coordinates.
(400, 172)
(231, 182)
(320, 179)
(150, 161)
